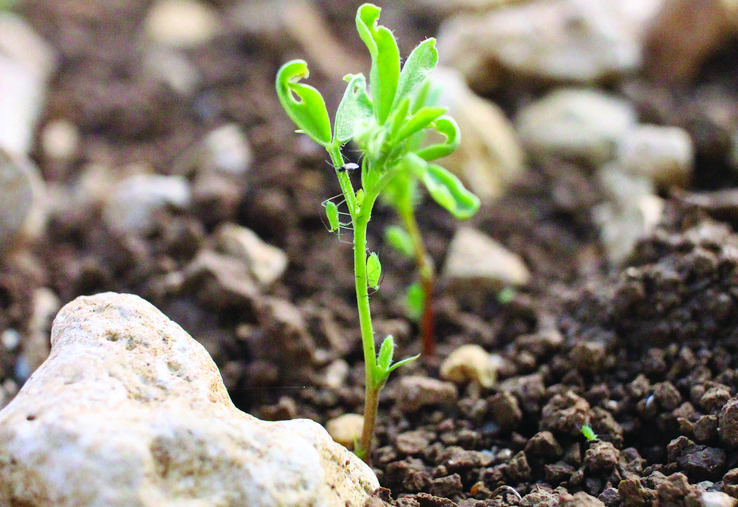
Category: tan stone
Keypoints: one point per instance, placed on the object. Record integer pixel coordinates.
(129, 410)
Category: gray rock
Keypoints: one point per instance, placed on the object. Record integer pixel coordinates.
(26, 63)
(129, 411)
(490, 156)
(581, 41)
(664, 155)
(413, 392)
(266, 263)
(631, 213)
(181, 23)
(475, 259)
(132, 207)
(22, 205)
(580, 125)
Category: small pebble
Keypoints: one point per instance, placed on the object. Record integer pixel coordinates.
(413, 392)
(470, 363)
(346, 429)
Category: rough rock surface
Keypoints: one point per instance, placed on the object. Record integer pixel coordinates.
(129, 410)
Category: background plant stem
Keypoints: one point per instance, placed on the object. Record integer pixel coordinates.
(427, 274)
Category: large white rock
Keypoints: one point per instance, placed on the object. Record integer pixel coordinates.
(129, 410)
(580, 41)
(575, 124)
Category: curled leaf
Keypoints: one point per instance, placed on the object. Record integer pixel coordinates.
(420, 120)
(303, 103)
(446, 126)
(448, 191)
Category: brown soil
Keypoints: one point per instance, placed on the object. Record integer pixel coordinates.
(647, 353)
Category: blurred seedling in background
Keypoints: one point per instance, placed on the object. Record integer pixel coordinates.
(403, 195)
(383, 120)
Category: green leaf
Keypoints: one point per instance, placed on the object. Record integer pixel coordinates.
(303, 103)
(414, 301)
(354, 109)
(448, 191)
(398, 119)
(446, 126)
(373, 271)
(331, 211)
(402, 363)
(416, 69)
(386, 351)
(400, 240)
(385, 70)
(422, 119)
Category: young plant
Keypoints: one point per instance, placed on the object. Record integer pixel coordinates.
(402, 194)
(382, 119)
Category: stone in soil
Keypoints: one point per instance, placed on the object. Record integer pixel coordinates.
(129, 410)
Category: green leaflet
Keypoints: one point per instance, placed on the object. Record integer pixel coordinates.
(416, 69)
(446, 126)
(385, 70)
(303, 103)
(400, 240)
(448, 191)
(355, 108)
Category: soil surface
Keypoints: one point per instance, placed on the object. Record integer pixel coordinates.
(645, 353)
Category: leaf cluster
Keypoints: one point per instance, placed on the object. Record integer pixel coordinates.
(383, 116)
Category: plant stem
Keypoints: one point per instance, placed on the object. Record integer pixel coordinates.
(360, 216)
(427, 274)
(371, 399)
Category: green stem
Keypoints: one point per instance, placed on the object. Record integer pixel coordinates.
(344, 180)
(427, 278)
(371, 399)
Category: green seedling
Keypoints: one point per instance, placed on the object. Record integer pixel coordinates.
(381, 117)
(402, 194)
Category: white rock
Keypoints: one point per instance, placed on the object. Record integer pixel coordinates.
(26, 63)
(581, 41)
(474, 258)
(470, 363)
(664, 155)
(135, 200)
(630, 214)
(181, 23)
(172, 67)
(22, 207)
(130, 411)
(575, 124)
(717, 499)
(266, 263)
(226, 149)
(490, 156)
(60, 140)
